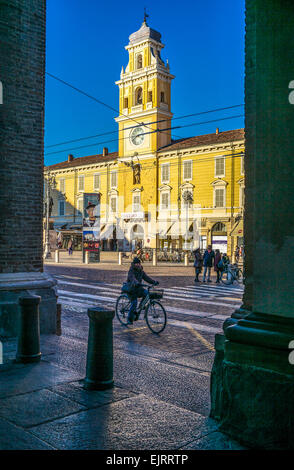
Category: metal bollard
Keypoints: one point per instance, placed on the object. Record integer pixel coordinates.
(58, 319)
(120, 258)
(154, 258)
(86, 257)
(99, 371)
(56, 256)
(28, 346)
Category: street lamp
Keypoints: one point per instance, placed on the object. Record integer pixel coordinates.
(187, 198)
(50, 183)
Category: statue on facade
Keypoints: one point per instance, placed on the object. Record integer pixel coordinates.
(136, 174)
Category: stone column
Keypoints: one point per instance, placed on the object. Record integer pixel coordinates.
(22, 73)
(256, 375)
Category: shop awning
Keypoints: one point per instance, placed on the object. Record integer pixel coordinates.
(60, 225)
(238, 230)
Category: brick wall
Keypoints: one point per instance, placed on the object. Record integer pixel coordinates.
(22, 67)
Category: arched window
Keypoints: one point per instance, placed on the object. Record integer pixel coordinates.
(139, 61)
(139, 96)
(219, 227)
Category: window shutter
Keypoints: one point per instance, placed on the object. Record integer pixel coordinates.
(114, 179)
(219, 166)
(219, 197)
(96, 181)
(187, 170)
(81, 183)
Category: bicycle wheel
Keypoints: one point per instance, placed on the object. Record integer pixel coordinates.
(239, 276)
(155, 317)
(227, 278)
(122, 308)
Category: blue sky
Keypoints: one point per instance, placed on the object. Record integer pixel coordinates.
(204, 44)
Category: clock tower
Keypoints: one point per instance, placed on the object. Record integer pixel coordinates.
(144, 96)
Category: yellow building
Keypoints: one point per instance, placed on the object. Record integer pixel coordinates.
(157, 191)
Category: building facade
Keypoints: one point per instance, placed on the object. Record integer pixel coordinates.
(155, 191)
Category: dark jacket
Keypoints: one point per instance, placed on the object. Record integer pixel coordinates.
(135, 277)
(208, 258)
(217, 259)
(198, 259)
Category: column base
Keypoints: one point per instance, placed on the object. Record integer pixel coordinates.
(252, 382)
(15, 285)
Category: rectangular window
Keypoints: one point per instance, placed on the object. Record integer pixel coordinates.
(96, 184)
(126, 103)
(136, 203)
(61, 207)
(62, 185)
(187, 170)
(220, 166)
(149, 98)
(165, 173)
(113, 204)
(219, 197)
(81, 183)
(242, 165)
(113, 181)
(164, 201)
(162, 96)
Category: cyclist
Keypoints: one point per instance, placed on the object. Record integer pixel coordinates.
(134, 280)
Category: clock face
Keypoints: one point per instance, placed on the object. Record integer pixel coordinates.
(137, 136)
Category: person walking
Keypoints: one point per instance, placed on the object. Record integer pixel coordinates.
(70, 247)
(135, 276)
(217, 267)
(198, 262)
(207, 262)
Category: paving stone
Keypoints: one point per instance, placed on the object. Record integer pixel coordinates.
(36, 407)
(134, 423)
(197, 361)
(14, 438)
(75, 391)
(214, 441)
(32, 377)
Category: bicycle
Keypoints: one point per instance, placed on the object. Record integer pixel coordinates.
(154, 312)
(232, 273)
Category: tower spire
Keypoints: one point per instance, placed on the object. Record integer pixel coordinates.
(145, 16)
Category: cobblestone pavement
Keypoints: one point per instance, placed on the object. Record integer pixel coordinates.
(195, 314)
(160, 398)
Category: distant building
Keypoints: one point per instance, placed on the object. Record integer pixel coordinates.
(164, 193)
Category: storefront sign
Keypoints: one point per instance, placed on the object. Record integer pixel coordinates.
(91, 226)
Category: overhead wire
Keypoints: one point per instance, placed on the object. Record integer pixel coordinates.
(145, 133)
(151, 122)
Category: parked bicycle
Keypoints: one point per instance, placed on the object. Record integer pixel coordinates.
(154, 312)
(232, 273)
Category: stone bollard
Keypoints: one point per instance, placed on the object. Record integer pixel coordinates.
(186, 259)
(99, 371)
(86, 257)
(28, 346)
(58, 319)
(154, 258)
(56, 256)
(120, 258)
